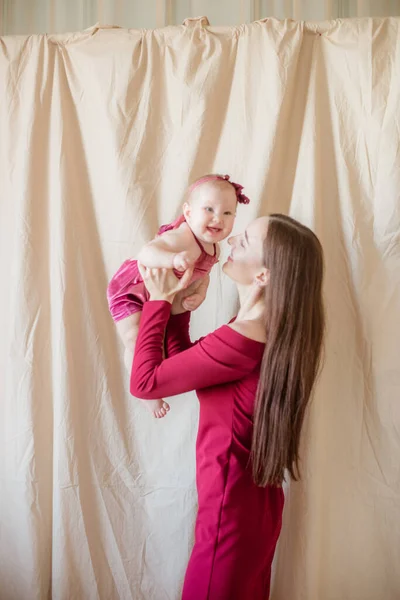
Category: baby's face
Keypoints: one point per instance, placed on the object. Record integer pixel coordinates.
(211, 210)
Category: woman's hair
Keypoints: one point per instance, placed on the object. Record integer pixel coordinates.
(295, 328)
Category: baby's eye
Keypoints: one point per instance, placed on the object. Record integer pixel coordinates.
(228, 212)
(208, 209)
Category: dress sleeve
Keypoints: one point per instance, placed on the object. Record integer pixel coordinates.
(214, 360)
(177, 338)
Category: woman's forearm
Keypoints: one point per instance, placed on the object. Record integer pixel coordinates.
(177, 338)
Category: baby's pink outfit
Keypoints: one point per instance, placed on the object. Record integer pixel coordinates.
(126, 292)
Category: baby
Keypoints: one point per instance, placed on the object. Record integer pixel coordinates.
(190, 241)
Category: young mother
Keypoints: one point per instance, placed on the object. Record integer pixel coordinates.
(253, 379)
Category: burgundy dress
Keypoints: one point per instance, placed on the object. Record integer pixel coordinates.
(126, 292)
(238, 523)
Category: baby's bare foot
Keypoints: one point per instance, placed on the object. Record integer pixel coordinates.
(159, 408)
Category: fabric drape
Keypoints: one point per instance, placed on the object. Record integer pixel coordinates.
(101, 131)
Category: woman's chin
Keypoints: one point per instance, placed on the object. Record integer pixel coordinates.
(226, 267)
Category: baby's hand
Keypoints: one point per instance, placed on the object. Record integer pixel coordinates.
(183, 260)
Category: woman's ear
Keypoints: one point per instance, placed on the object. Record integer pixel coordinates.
(186, 210)
(262, 278)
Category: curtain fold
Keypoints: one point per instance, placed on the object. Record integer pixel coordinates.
(101, 131)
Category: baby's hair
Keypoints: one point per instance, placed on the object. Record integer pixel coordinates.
(241, 198)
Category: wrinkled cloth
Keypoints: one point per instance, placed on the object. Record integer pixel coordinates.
(101, 132)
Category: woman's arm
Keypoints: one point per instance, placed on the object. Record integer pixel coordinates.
(177, 338)
(216, 359)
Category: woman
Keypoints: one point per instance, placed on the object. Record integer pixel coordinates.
(253, 379)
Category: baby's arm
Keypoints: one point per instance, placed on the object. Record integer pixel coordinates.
(176, 248)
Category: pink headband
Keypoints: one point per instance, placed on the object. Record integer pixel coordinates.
(241, 198)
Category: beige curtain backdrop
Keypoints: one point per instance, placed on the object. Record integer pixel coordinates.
(101, 131)
(48, 16)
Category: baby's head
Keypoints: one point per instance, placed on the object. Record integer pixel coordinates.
(210, 207)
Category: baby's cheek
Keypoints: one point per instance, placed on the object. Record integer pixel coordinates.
(229, 226)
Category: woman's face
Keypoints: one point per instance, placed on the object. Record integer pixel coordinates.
(246, 261)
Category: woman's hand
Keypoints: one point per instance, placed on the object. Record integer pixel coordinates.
(162, 284)
(191, 297)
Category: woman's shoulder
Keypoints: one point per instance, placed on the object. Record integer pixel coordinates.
(251, 330)
(230, 346)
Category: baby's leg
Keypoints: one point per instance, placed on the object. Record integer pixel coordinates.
(128, 330)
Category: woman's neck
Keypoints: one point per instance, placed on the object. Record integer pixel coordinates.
(252, 304)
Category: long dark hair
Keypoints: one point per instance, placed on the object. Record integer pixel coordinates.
(295, 328)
